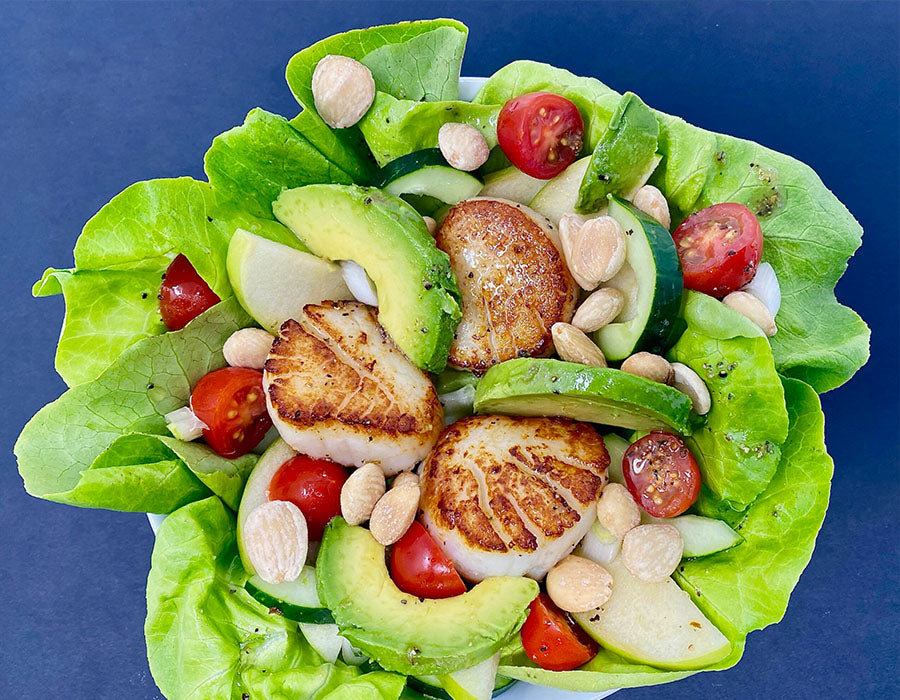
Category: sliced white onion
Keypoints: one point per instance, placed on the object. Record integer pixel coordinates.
(184, 425)
(458, 404)
(600, 545)
(351, 654)
(358, 282)
(764, 286)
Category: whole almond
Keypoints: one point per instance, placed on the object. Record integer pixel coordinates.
(577, 584)
(597, 252)
(649, 366)
(405, 479)
(599, 309)
(276, 540)
(687, 381)
(361, 492)
(394, 513)
(248, 347)
(752, 308)
(652, 552)
(652, 202)
(572, 345)
(343, 90)
(617, 511)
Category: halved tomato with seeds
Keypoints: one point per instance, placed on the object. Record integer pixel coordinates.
(232, 404)
(661, 474)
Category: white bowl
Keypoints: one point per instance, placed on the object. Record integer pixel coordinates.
(468, 87)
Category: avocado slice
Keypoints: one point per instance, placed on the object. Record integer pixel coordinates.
(404, 633)
(623, 155)
(543, 387)
(418, 299)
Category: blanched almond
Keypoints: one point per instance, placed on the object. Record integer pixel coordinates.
(248, 347)
(464, 146)
(750, 306)
(572, 345)
(599, 309)
(405, 479)
(394, 513)
(649, 366)
(651, 201)
(617, 511)
(361, 492)
(597, 251)
(276, 541)
(577, 584)
(343, 90)
(652, 552)
(687, 381)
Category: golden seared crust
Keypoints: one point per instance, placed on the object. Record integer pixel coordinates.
(507, 484)
(514, 281)
(335, 376)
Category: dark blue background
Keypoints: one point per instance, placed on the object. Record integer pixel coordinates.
(95, 96)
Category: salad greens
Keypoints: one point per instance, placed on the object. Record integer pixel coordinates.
(121, 256)
(236, 646)
(104, 444)
(739, 446)
(809, 234)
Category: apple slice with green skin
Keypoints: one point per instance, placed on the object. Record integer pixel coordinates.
(654, 623)
(256, 491)
(273, 282)
(475, 683)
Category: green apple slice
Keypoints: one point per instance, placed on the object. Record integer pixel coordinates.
(654, 623)
(475, 683)
(273, 282)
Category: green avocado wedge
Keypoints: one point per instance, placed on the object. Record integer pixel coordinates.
(542, 387)
(418, 298)
(404, 633)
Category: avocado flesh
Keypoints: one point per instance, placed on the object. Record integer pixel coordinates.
(543, 387)
(401, 632)
(418, 298)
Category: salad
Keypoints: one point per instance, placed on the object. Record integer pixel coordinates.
(442, 395)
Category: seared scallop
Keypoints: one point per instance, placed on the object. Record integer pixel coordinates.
(338, 388)
(506, 496)
(514, 281)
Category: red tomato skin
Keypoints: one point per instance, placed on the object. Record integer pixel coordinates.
(420, 568)
(540, 145)
(227, 391)
(552, 641)
(183, 294)
(314, 486)
(671, 460)
(712, 263)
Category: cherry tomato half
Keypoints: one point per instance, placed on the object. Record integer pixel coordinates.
(314, 486)
(661, 474)
(232, 404)
(183, 294)
(541, 133)
(720, 248)
(420, 568)
(552, 640)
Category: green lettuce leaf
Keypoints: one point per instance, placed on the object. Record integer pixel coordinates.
(739, 447)
(105, 444)
(418, 60)
(744, 588)
(121, 256)
(750, 584)
(393, 127)
(253, 163)
(809, 235)
(208, 639)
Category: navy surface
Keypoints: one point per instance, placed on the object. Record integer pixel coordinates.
(95, 96)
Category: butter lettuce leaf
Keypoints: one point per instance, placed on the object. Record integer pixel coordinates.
(207, 638)
(120, 258)
(415, 60)
(750, 584)
(393, 127)
(254, 162)
(808, 234)
(738, 448)
(104, 444)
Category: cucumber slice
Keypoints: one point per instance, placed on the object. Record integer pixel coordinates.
(540, 387)
(600, 545)
(654, 623)
(442, 182)
(325, 639)
(256, 491)
(616, 446)
(701, 536)
(430, 686)
(559, 195)
(297, 600)
(652, 283)
(512, 184)
(423, 203)
(475, 683)
(404, 165)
